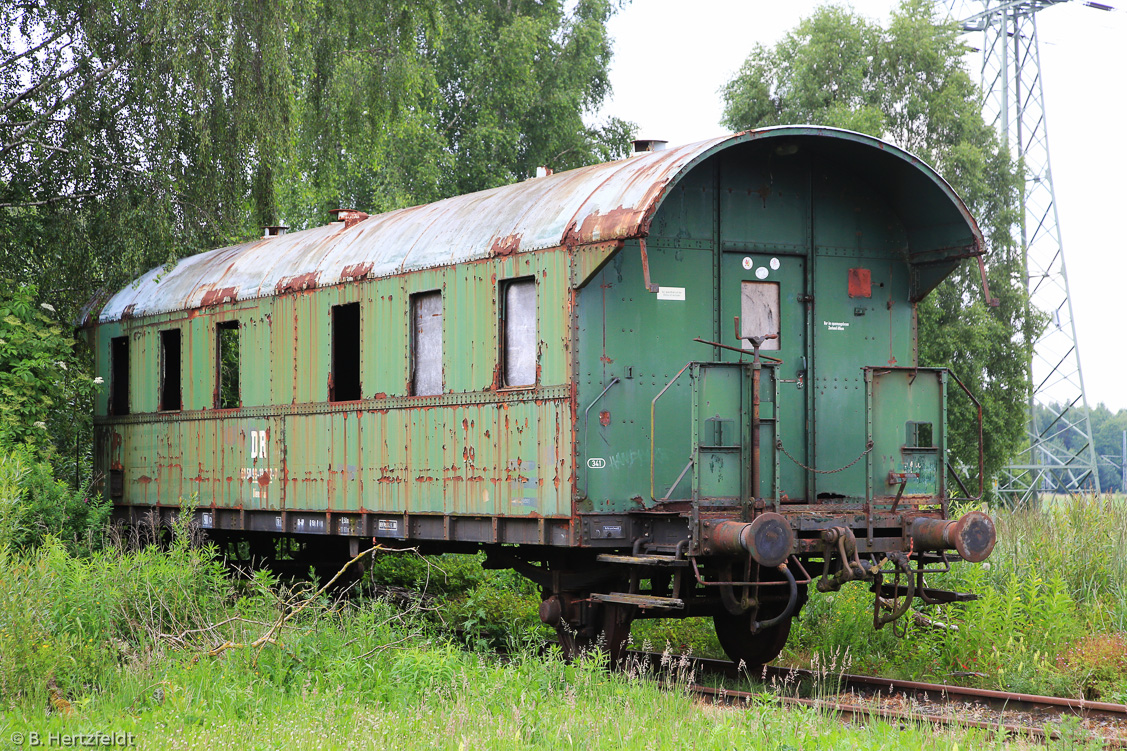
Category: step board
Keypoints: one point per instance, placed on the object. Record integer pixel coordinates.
(642, 601)
(643, 560)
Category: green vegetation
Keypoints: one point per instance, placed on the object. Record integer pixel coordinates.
(137, 134)
(906, 82)
(1051, 617)
(158, 644)
(45, 409)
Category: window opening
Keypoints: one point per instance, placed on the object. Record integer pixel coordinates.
(518, 332)
(169, 370)
(759, 312)
(345, 383)
(426, 344)
(227, 365)
(119, 376)
(919, 436)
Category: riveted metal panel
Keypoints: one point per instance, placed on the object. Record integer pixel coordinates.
(904, 397)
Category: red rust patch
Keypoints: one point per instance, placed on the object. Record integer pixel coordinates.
(604, 418)
(860, 283)
(296, 283)
(219, 296)
(505, 246)
(614, 223)
(356, 271)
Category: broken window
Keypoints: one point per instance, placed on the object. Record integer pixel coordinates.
(119, 376)
(169, 370)
(919, 435)
(759, 312)
(518, 332)
(426, 344)
(227, 365)
(345, 383)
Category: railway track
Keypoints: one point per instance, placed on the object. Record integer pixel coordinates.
(866, 697)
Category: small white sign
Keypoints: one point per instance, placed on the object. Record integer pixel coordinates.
(836, 325)
(774, 264)
(747, 263)
(596, 462)
(670, 293)
(761, 272)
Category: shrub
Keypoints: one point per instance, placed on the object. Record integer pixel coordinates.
(33, 504)
(80, 619)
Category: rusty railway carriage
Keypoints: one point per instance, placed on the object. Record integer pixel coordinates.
(679, 384)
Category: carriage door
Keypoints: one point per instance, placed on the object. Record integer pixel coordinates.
(767, 293)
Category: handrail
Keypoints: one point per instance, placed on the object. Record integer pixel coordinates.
(981, 456)
(586, 446)
(653, 406)
(774, 360)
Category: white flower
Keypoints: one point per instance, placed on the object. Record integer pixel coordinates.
(47, 306)
(62, 364)
(99, 380)
(40, 424)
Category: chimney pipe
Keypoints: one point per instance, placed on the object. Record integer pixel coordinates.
(350, 217)
(646, 145)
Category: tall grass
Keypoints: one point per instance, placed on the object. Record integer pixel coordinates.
(1083, 539)
(1051, 610)
(131, 640)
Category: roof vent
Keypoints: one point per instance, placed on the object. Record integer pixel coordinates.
(543, 171)
(645, 145)
(350, 217)
(274, 230)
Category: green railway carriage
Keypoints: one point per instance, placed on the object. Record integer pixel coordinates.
(679, 384)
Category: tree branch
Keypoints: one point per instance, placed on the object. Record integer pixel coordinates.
(33, 50)
(67, 99)
(45, 201)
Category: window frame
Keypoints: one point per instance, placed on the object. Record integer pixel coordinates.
(113, 408)
(166, 335)
(336, 323)
(414, 301)
(504, 286)
(220, 327)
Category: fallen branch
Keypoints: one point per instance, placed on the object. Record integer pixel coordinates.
(270, 637)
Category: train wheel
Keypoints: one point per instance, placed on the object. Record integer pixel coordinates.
(735, 637)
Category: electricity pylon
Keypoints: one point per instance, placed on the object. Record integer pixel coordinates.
(1060, 453)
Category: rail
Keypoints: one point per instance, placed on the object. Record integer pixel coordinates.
(653, 422)
(867, 697)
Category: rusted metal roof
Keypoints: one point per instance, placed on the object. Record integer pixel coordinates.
(611, 201)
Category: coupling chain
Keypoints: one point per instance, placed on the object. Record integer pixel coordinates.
(868, 448)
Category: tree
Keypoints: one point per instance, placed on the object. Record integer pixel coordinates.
(136, 132)
(906, 83)
(492, 91)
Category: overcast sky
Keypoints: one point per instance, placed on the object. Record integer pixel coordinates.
(670, 62)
